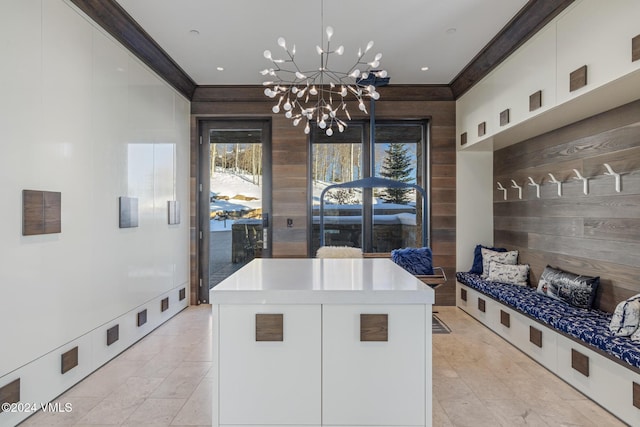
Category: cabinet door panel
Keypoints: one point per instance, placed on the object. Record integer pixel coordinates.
(374, 382)
(270, 382)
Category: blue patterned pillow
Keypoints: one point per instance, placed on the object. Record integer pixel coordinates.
(414, 260)
(476, 268)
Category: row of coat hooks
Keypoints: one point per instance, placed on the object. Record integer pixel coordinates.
(585, 183)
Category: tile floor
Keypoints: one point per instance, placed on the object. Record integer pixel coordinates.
(478, 380)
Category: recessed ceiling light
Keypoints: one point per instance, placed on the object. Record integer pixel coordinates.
(451, 30)
(424, 68)
(194, 32)
(220, 68)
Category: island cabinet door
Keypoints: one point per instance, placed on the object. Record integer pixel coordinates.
(373, 360)
(269, 365)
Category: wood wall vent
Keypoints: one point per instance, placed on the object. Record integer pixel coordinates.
(535, 100)
(113, 334)
(69, 360)
(374, 327)
(10, 393)
(142, 318)
(578, 78)
(269, 327)
(580, 362)
(505, 318)
(164, 304)
(482, 305)
(535, 336)
(463, 294)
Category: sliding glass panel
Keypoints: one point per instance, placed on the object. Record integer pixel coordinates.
(337, 159)
(397, 211)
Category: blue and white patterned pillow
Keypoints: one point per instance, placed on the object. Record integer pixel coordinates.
(510, 258)
(476, 268)
(415, 260)
(513, 274)
(626, 318)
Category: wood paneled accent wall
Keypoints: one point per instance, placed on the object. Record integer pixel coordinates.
(290, 149)
(593, 234)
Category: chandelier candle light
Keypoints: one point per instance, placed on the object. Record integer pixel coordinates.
(321, 94)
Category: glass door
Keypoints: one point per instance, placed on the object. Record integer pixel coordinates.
(236, 204)
(379, 219)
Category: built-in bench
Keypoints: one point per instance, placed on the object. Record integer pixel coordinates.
(573, 343)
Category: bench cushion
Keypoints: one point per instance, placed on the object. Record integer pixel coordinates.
(589, 326)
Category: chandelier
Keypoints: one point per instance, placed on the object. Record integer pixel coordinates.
(321, 95)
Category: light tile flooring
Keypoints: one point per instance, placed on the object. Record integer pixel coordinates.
(478, 380)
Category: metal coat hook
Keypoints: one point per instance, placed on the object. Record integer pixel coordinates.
(515, 185)
(558, 183)
(504, 190)
(585, 181)
(533, 184)
(615, 175)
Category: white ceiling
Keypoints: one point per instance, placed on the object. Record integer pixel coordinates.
(410, 34)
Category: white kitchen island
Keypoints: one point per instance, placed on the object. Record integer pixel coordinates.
(322, 342)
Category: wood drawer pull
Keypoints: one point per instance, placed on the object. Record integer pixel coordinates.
(535, 336)
(10, 393)
(69, 360)
(505, 318)
(636, 395)
(580, 362)
(482, 305)
(142, 318)
(578, 78)
(374, 327)
(463, 294)
(113, 334)
(269, 327)
(164, 304)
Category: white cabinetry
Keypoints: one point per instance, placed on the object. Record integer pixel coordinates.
(297, 346)
(607, 382)
(590, 33)
(596, 34)
(529, 70)
(270, 382)
(383, 383)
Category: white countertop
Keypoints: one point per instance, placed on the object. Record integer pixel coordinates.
(322, 281)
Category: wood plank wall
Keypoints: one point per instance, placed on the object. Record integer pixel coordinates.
(290, 164)
(593, 234)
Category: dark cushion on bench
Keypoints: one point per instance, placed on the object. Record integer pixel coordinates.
(589, 326)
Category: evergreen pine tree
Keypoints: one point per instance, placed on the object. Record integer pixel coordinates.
(397, 166)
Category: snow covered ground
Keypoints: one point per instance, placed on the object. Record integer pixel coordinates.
(230, 185)
(236, 187)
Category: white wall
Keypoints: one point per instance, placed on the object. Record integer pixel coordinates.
(80, 115)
